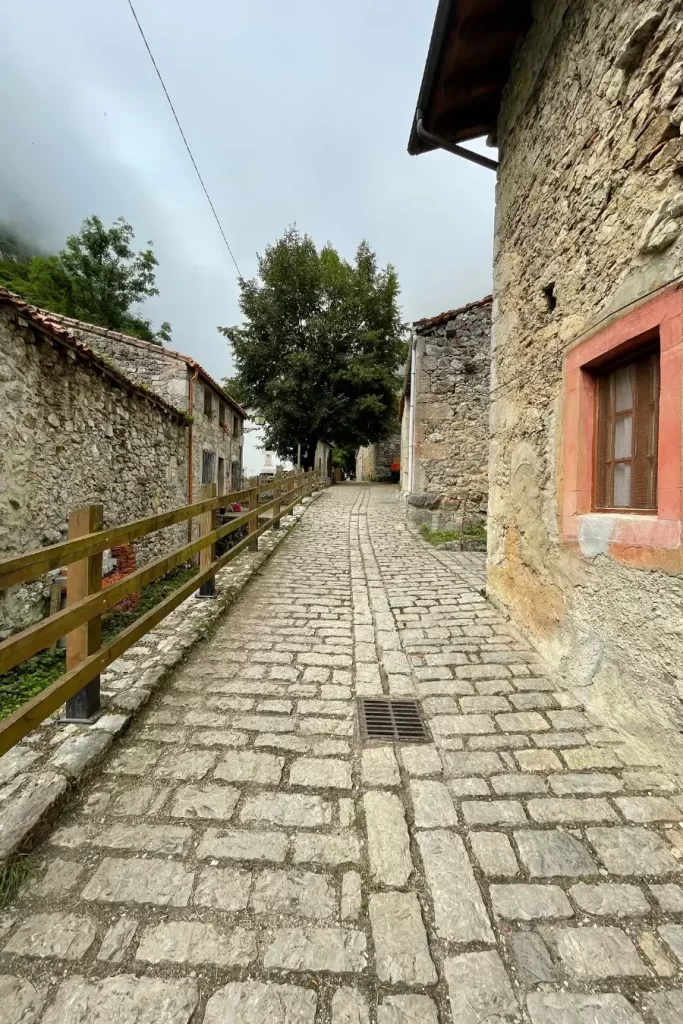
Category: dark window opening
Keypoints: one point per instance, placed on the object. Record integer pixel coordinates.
(221, 476)
(235, 426)
(208, 402)
(627, 433)
(221, 414)
(550, 297)
(208, 467)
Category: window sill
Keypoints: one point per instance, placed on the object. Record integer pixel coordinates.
(620, 534)
(644, 541)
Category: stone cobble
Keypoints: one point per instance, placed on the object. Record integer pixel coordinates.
(243, 856)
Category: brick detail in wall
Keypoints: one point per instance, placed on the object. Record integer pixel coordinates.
(124, 555)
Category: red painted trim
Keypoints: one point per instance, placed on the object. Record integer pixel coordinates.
(626, 532)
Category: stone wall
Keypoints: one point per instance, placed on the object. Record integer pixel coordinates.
(210, 435)
(374, 461)
(589, 218)
(142, 362)
(170, 375)
(323, 459)
(72, 436)
(450, 441)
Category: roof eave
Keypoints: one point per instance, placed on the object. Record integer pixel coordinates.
(466, 70)
(38, 320)
(129, 339)
(416, 145)
(427, 325)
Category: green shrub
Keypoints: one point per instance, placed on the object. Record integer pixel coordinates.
(30, 678)
(472, 531)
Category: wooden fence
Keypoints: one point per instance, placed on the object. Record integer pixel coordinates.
(80, 621)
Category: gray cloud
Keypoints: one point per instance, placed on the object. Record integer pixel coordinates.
(296, 110)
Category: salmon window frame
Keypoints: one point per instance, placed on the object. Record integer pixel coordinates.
(653, 325)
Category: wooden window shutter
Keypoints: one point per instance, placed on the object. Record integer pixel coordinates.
(603, 481)
(627, 415)
(644, 484)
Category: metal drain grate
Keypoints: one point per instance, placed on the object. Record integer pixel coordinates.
(383, 718)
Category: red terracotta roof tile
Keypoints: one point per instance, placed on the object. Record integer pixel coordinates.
(53, 325)
(443, 318)
(129, 339)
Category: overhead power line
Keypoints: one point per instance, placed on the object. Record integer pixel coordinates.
(187, 145)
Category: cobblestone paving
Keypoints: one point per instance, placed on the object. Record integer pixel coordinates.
(242, 859)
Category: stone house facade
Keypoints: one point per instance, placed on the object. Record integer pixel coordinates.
(584, 99)
(323, 459)
(216, 433)
(445, 404)
(379, 462)
(76, 431)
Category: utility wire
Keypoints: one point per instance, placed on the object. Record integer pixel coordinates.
(187, 145)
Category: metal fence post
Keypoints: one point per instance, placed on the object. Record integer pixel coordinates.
(207, 524)
(84, 578)
(254, 493)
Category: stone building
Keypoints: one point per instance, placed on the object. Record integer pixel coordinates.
(76, 431)
(444, 417)
(216, 433)
(322, 461)
(380, 462)
(584, 99)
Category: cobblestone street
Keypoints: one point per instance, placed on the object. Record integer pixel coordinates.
(243, 857)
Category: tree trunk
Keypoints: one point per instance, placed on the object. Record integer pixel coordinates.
(308, 454)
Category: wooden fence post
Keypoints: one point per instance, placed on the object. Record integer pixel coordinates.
(278, 502)
(84, 578)
(208, 522)
(253, 515)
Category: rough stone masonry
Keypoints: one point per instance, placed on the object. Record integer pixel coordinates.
(589, 219)
(76, 433)
(450, 443)
(217, 427)
(374, 461)
(243, 858)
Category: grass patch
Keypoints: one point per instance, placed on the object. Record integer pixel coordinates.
(471, 532)
(12, 877)
(26, 680)
(115, 622)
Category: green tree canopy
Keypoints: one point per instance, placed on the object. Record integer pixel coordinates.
(320, 347)
(96, 277)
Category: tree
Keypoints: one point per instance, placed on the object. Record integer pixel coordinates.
(232, 387)
(96, 277)
(320, 347)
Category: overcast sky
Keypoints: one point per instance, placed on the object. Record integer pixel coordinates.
(296, 110)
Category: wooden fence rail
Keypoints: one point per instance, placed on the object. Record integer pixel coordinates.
(80, 621)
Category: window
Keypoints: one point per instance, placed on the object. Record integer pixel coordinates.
(235, 426)
(236, 476)
(221, 413)
(208, 403)
(627, 419)
(221, 476)
(623, 407)
(208, 467)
